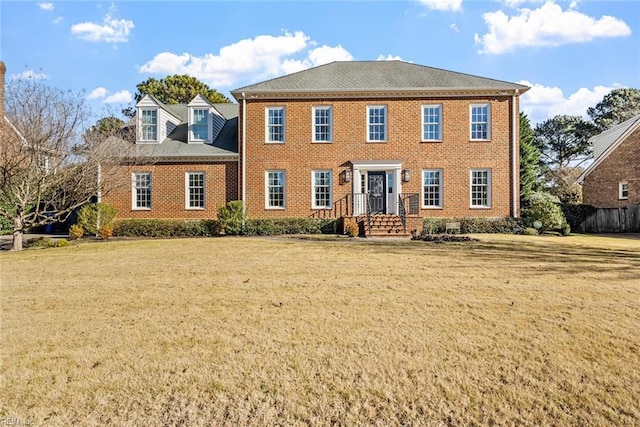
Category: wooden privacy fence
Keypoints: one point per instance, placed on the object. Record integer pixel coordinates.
(613, 220)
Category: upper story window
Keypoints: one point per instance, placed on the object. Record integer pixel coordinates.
(623, 190)
(431, 122)
(195, 190)
(149, 125)
(376, 123)
(480, 122)
(200, 124)
(432, 188)
(275, 119)
(141, 190)
(481, 188)
(322, 124)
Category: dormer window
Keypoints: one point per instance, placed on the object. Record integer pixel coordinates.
(149, 125)
(199, 124)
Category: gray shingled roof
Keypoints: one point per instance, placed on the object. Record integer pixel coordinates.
(376, 76)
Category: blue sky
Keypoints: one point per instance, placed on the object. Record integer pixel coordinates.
(571, 53)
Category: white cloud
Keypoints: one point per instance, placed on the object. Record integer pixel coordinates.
(544, 102)
(452, 5)
(388, 58)
(29, 74)
(58, 20)
(124, 96)
(99, 92)
(112, 30)
(548, 25)
(454, 27)
(260, 57)
(46, 6)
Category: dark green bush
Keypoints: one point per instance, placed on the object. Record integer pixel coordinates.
(231, 217)
(474, 225)
(276, 226)
(5, 226)
(165, 228)
(576, 214)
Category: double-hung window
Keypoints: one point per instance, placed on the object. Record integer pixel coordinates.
(480, 115)
(200, 124)
(432, 188)
(142, 190)
(480, 188)
(376, 123)
(321, 189)
(149, 125)
(623, 190)
(322, 121)
(275, 119)
(431, 122)
(195, 190)
(275, 191)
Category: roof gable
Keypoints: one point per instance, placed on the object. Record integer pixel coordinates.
(370, 76)
(606, 142)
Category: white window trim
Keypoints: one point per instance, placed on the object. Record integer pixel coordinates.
(140, 133)
(483, 104)
(192, 138)
(284, 124)
(313, 189)
(440, 189)
(186, 191)
(439, 139)
(134, 193)
(620, 185)
(284, 190)
(489, 192)
(313, 124)
(386, 124)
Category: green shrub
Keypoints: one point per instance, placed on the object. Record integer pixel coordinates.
(576, 214)
(277, 226)
(40, 242)
(76, 232)
(530, 231)
(545, 208)
(89, 214)
(62, 243)
(6, 227)
(165, 228)
(231, 217)
(474, 225)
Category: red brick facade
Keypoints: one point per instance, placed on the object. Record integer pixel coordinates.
(455, 155)
(601, 187)
(168, 196)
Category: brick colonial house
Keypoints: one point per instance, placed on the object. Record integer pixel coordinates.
(613, 179)
(382, 139)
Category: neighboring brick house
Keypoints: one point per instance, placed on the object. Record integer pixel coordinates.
(352, 133)
(613, 179)
(189, 161)
(342, 139)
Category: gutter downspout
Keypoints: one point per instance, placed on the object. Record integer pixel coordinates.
(514, 156)
(244, 159)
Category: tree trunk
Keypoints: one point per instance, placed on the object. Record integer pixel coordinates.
(17, 235)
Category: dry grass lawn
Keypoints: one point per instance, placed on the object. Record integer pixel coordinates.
(510, 330)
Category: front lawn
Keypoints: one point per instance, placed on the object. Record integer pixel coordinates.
(507, 330)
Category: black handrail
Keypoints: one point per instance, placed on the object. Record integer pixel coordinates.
(402, 213)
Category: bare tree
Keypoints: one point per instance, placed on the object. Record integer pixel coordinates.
(50, 162)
